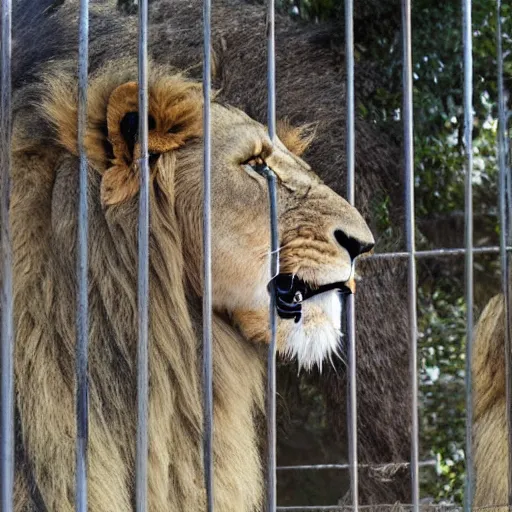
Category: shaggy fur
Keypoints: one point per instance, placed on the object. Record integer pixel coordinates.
(44, 227)
(310, 90)
(490, 437)
(44, 223)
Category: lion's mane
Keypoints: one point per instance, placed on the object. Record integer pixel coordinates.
(45, 46)
(44, 213)
(490, 437)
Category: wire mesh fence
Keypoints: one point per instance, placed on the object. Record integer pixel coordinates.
(411, 256)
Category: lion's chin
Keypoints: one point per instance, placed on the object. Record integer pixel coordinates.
(316, 337)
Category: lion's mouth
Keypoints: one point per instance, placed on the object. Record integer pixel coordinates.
(291, 291)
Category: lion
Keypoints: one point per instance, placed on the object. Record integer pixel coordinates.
(490, 433)
(310, 89)
(320, 236)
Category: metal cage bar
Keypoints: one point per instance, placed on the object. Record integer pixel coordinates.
(207, 265)
(468, 218)
(82, 320)
(410, 242)
(7, 352)
(271, 379)
(390, 465)
(7, 337)
(440, 252)
(382, 507)
(143, 269)
(271, 69)
(351, 311)
(274, 269)
(504, 207)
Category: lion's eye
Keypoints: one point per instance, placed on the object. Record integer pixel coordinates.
(254, 161)
(177, 128)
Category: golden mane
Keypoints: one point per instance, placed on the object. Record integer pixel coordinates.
(490, 439)
(44, 230)
(321, 234)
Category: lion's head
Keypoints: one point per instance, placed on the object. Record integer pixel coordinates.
(320, 233)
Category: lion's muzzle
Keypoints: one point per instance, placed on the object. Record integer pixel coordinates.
(291, 291)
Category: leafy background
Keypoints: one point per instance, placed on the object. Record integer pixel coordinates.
(439, 189)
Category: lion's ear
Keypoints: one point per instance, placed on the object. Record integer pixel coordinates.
(296, 139)
(175, 111)
(123, 121)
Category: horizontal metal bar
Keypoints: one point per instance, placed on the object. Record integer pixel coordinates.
(392, 507)
(391, 465)
(315, 507)
(437, 252)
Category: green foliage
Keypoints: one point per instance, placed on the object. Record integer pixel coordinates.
(439, 182)
(440, 176)
(442, 327)
(439, 191)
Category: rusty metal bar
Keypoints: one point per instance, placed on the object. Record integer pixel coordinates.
(141, 490)
(82, 321)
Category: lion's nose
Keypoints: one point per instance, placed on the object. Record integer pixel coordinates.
(354, 245)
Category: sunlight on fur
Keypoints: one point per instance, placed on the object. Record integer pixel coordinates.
(316, 337)
(320, 235)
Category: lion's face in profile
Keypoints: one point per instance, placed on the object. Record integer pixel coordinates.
(320, 233)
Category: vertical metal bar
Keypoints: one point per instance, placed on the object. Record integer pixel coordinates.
(351, 315)
(504, 206)
(7, 365)
(410, 243)
(271, 69)
(82, 326)
(143, 268)
(274, 269)
(468, 218)
(207, 262)
(271, 363)
(349, 49)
